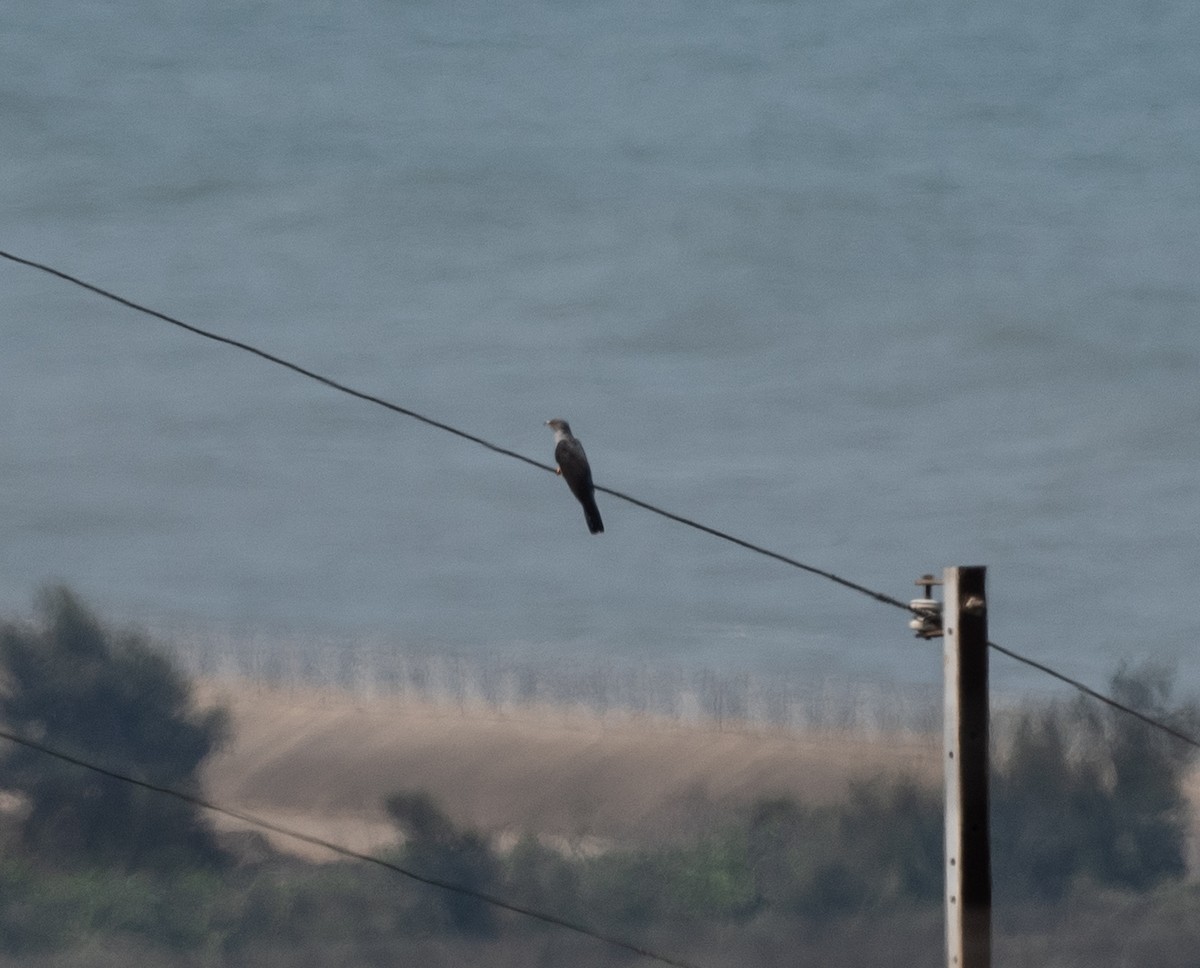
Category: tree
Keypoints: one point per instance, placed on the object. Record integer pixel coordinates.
(1090, 793)
(114, 700)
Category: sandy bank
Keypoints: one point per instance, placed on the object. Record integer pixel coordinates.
(323, 762)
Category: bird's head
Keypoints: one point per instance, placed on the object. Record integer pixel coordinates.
(559, 426)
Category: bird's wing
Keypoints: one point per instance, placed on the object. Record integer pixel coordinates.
(574, 465)
(570, 457)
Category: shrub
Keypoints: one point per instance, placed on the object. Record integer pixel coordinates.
(436, 849)
(881, 847)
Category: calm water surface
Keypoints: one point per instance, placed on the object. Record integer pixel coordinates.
(885, 286)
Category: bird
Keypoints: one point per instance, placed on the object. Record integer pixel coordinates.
(573, 467)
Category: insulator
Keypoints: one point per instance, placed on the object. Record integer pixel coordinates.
(927, 617)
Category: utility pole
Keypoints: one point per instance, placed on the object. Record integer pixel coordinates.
(965, 724)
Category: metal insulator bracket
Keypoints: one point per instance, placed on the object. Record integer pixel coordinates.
(926, 622)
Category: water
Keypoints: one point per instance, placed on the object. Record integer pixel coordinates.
(885, 286)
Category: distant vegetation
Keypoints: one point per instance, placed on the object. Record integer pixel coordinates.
(1088, 812)
(1087, 795)
(600, 684)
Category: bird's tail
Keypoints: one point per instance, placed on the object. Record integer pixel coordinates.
(591, 514)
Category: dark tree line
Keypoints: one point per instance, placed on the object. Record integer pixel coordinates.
(1083, 796)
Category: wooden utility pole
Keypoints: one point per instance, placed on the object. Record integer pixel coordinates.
(968, 859)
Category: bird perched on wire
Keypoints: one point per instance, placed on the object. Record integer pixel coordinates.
(574, 468)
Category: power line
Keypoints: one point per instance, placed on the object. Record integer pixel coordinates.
(272, 358)
(1098, 696)
(645, 505)
(396, 408)
(348, 852)
(759, 549)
